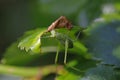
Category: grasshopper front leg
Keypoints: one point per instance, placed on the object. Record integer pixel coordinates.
(66, 48)
(57, 54)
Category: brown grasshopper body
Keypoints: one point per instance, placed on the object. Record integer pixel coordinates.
(61, 22)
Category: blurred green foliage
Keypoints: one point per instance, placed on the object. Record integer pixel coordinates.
(94, 56)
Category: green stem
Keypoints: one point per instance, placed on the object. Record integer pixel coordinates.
(28, 71)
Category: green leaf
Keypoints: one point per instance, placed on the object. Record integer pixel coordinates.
(102, 39)
(14, 56)
(101, 72)
(32, 40)
(37, 40)
(68, 76)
